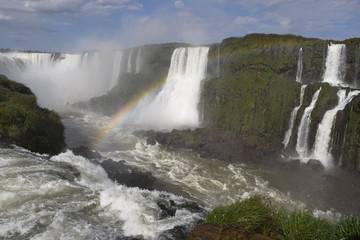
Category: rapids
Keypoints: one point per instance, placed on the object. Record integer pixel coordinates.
(69, 197)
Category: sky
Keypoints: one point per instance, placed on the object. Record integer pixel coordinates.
(77, 25)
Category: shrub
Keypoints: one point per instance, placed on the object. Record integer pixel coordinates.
(254, 215)
(302, 225)
(348, 229)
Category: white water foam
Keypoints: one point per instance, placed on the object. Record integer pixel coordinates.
(322, 149)
(39, 198)
(302, 147)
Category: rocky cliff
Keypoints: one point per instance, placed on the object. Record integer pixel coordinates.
(251, 90)
(252, 86)
(24, 123)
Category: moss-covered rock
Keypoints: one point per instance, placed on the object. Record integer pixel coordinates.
(346, 136)
(25, 124)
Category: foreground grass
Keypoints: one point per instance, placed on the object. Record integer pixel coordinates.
(257, 215)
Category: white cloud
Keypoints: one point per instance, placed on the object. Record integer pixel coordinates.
(5, 17)
(69, 6)
(179, 4)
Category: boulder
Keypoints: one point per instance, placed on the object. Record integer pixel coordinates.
(123, 174)
(315, 165)
(87, 153)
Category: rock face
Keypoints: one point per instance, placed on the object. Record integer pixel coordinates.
(24, 123)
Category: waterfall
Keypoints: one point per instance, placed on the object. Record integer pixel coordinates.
(176, 104)
(15, 62)
(335, 65)
(138, 61)
(357, 67)
(129, 65)
(218, 62)
(303, 130)
(293, 117)
(116, 69)
(323, 135)
(299, 66)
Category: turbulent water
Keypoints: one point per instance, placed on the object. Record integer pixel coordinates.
(47, 198)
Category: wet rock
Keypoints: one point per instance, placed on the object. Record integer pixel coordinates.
(86, 153)
(213, 232)
(68, 171)
(167, 208)
(129, 238)
(315, 165)
(176, 233)
(205, 231)
(127, 175)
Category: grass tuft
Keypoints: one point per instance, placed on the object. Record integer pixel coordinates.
(301, 225)
(348, 229)
(254, 215)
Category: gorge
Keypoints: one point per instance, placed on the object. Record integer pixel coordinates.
(253, 109)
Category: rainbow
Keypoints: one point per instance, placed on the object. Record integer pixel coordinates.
(123, 111)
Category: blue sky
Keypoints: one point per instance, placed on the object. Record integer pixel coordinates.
(76, 25)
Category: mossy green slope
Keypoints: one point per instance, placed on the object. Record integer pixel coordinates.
(24, 123)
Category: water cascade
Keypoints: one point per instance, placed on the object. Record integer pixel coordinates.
(129, 65)
(335, 65)
(138, 62)
(58, 79)
(176, 104)
(13, 62)
(293, 117)
(357, 68)
(303, 131)
(323, 135)
(116, 68)
(299, 66)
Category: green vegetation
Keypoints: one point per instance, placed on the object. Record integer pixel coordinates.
(256, 215)
(302, 225)
(348, 229)
(23, 123)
